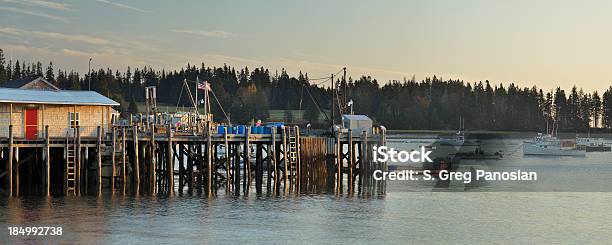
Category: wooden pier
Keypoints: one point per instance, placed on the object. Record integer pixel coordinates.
(159, 160)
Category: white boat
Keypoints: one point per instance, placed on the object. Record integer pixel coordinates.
(549, 145)
(449, 146)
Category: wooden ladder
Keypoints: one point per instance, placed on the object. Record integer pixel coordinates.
(293, 148)
(118, 158)
(71, 171)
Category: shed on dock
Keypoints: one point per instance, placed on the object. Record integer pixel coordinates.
(357, 123)
(30, 106)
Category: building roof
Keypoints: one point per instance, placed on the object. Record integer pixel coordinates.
(56, 97)
(356, 117)
(23, 82)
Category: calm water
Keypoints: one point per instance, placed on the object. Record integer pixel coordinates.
(563, 207)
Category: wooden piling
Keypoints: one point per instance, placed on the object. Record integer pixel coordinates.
(189, 168)
(170, 161)
(99, 159)
(351, 156)
(136, 159)
(47, 165)
(236, 168)
(258, 167)
(152, 161)
(268, 160)
(123, 157)
(10, 159)
(209, 160)
(113, 159)
(200, 166)
(364, 164)
(77, 183)
(339, 162)
(181, 168)
(227, 159)
(247, 158)
(273, 155)
(17, 180)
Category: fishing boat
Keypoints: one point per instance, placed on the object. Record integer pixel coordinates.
(445, 146)
(549, 145)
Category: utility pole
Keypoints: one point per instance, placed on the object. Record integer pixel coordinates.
(333, 119)
(89, 74)
(345, 92)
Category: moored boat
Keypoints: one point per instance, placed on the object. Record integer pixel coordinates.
(549, 145)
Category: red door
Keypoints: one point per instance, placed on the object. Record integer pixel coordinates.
(31, 124)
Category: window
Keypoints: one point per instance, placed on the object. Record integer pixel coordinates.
(73, 120)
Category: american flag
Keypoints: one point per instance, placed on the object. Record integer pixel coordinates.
(204, 86)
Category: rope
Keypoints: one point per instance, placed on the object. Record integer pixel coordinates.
(220, 106)
(316, 103)
(179, 98)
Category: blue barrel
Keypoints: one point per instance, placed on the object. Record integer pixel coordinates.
(267, 130)
(253, 130)
(221, 129)
(241, 129)
(277, 125)
(230, 130)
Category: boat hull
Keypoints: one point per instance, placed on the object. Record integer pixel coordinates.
(532, 149)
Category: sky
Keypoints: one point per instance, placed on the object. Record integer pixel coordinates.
(543, 43)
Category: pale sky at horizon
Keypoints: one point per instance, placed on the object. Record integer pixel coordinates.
(543, 43)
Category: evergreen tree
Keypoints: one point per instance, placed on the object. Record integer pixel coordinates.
(133, 107)
(3, 76)
(596, 109)
(17, 71)
(49, 75)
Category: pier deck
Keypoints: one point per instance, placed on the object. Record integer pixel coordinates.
(131, 159)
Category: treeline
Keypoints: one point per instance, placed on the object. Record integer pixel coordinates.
(432, 103)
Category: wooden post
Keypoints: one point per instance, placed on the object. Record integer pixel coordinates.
(123, 157)
(273, 156)
(200, 165)
(136, 159)
(190, 167)
(269, 166)
(170, 163)
(237, 168)
(86, 169)
(363, 160)
(17, 189)
(258, 167)
(247, 158)
(339, 162)
(152, 164)
(47, 167)
(181, 168)
(10, 158)
(351, 156)
(99, 158)
(227, 159)
(77, 179)
(209, 161)
(114, 159)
